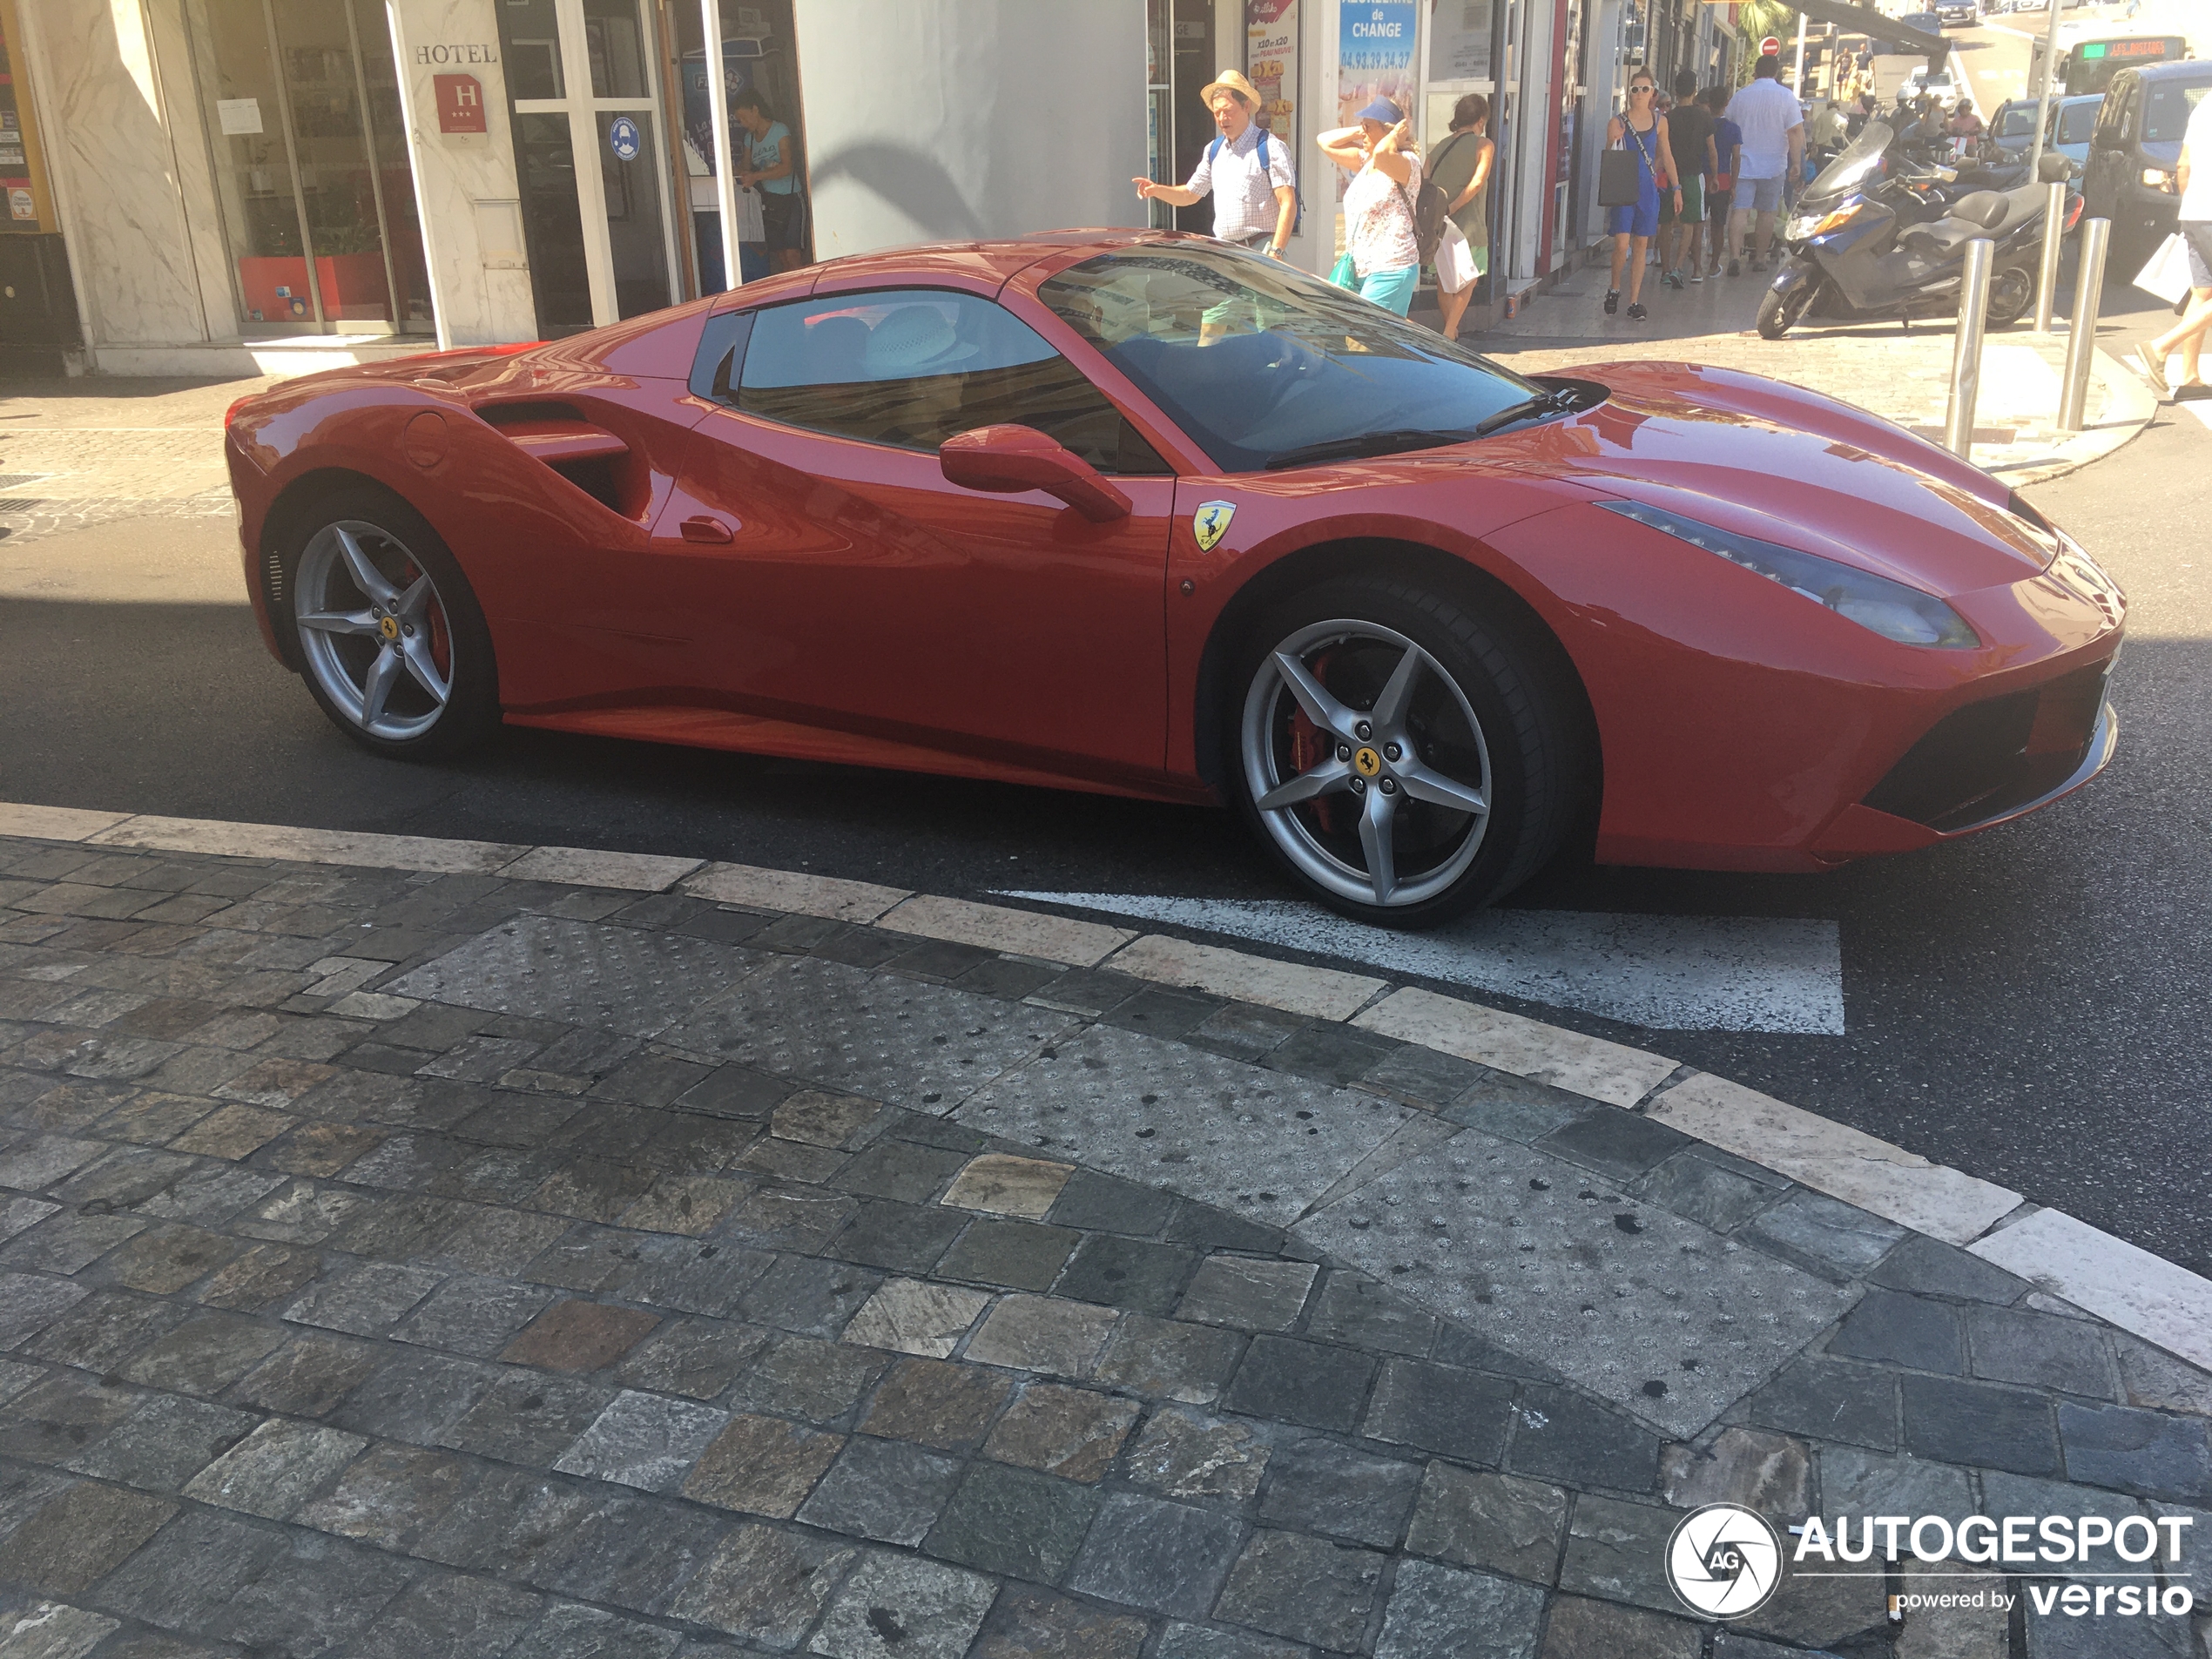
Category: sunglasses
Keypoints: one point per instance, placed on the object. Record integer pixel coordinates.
(1633, 90)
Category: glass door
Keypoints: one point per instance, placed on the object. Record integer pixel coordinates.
(311, 165)
(586, 110)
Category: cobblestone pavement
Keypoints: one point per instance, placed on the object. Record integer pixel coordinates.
(415, 1264)
(96, 450)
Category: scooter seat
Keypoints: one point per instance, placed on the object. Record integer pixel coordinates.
(1984, 213)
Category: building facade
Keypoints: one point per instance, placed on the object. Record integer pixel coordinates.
(223, 187)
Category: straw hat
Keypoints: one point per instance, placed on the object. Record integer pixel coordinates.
(1230, 81)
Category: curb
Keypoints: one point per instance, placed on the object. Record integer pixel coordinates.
(2128, 1287)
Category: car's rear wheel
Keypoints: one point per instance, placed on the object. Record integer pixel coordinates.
(388, 631)
(1405, 759)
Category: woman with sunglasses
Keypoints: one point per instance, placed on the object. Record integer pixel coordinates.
(1644, 135)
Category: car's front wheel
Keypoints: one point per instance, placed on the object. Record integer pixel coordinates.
(388, 631)
(1405, 758)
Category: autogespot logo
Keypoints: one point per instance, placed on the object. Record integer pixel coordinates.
(1725, 1560)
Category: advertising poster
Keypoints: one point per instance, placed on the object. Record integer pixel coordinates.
(1375, 55)
(1270, 49)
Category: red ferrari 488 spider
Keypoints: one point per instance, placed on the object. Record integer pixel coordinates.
(1140, 513)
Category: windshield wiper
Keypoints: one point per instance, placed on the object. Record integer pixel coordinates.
(1368, 444)
(1559, 397)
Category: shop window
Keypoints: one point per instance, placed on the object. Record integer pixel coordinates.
(311, 165)
(912, 368)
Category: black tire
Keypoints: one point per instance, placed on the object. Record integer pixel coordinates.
(2012, 294)
(1529, 720)
(470, 712)
(1778, 312)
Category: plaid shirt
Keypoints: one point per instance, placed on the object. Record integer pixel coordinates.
(1243, 186)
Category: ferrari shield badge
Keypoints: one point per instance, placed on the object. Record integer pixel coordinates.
(1210, 522)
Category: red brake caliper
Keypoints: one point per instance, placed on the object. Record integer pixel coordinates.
(1310, 747)
(441, 641)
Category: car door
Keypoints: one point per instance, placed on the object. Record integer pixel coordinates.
(2111, 144)
(860, 590)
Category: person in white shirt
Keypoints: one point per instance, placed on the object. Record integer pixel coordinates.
(2193, 178)
(1774, 149)
(1247, 170)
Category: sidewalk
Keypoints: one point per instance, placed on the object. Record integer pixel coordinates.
(607, 1255)
(1902, 374)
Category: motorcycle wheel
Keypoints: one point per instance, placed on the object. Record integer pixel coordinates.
(2012, 294)
(1778, 313)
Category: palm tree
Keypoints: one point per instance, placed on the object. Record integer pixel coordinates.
(1755, 20)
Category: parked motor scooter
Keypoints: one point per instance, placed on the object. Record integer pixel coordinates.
(1865, 245)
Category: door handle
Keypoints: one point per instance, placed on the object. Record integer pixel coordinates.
(703, 527)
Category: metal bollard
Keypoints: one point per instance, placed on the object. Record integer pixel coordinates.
(2081, 341)
(2047, 289)
(1966, 355)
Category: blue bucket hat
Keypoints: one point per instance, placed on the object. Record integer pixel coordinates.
(1384, 111)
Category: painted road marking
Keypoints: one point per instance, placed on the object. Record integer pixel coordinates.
(1663, 972)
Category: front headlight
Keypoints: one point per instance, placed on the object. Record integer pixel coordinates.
(1800, 228)
(1890, 609)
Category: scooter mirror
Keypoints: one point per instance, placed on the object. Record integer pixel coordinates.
(2053, 168)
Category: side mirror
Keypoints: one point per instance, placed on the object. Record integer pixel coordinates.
(1008, 460)
(2053, 169)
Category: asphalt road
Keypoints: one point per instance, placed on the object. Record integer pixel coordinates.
(2029, 1005)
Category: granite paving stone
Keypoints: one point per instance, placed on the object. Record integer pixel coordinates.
(527, 1417)
(1462, 1414)
(812, 1380)
(1318, 1486)
(275, 1468)
(31, 1302)
(473, 1315)
(388, 1495)
(1859, 1482)
(1358, 1312)
(886, 1490)
(164, 1441)
(1107, 1203)
(570, 1631)
(1307, 1588)
(414, 1396)
(1993, 1427)
(1137, 1274)
(1190, 1363)
(1071, 1432)
(1698, 1188)
(1253, 1294)
(64, 1243)
(1013, 1255)
(1443, 1610)
(809, 1296)
(450, 1614)
(761, 1465)
(2066, 1356)
(1772, 1473)
(1826, 1233)
(1044, 1334)
(699, 1359)
(907, 1316)
(1162, 1557)
(1929, 1267)
(1182, 1455)
(1307, 1383)
(1197, 1642)
(55, 1420)
(643, 1441)
(205, 1354)
(1615, 1144)
(1005, 1185)
(901, 1170)
(52, 1631)
(578, 1336)
(1562, 1436)
(1026, 1623)
(634, 1552)
(1476, 1518)
(164, 1259)
(101, 1332)
(509, 1521)
(365, 1301)
(1616, 1551)
(895, 1607)
(1013, 1521)
(79, 1535)
(1829, 1401)
(1580, 1628)
(1899, 1330)
(2148, 1453)
(764, 1586)
(689, 1204)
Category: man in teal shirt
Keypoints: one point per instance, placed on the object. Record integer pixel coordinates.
(770, 166)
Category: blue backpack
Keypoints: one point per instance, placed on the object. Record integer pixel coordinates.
(1298, 196)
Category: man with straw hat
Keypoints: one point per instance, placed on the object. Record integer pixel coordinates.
(1246, 170)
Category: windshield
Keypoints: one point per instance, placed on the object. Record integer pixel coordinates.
(1859, 160)
(2166, 118)
(1258, 361)
(2077, 121)
(2017, 122)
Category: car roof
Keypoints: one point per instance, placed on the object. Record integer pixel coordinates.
(2179, 69)
(992, 260)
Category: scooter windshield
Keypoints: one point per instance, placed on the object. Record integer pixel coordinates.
(1846, 171)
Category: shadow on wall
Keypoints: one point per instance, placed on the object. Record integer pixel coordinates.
(915, 184)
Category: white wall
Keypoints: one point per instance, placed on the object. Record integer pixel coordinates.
(465, 183)
(979, 119)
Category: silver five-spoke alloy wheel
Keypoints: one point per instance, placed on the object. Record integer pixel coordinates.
(374, 631)
(1366, 762)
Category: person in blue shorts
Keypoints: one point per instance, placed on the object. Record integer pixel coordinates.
(1645, 136)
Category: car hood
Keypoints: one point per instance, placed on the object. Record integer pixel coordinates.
(1790, 466)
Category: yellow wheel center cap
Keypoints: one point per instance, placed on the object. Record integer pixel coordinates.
(388, 626)
(1366, 762)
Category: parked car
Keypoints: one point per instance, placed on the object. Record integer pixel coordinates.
(2134, 149)
(2012, 127)
(1937, 84)
(2073, 120)
(1136, 513)
(1951, 12)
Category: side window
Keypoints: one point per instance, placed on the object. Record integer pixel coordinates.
(721, 348)
(2110, 118)
(910, 368)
